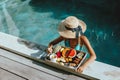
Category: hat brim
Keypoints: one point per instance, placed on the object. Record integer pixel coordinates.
(69, 34)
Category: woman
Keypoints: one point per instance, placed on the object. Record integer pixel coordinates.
(71, 32)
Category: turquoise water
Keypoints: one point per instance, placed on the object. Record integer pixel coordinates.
(37, 21)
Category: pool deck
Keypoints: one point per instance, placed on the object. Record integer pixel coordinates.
(18, 60)
(16, 67)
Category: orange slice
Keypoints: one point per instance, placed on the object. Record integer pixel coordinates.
(65, 52)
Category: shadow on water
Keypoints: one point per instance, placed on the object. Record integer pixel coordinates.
(79, 8)
(63, 8)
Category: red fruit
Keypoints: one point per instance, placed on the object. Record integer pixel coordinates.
(58, 54)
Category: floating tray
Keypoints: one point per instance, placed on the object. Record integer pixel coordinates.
(67, 57)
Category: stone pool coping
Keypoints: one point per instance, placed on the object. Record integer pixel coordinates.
(97, 69)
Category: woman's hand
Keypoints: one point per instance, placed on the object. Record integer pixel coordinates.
(80, 69)
(49, 49)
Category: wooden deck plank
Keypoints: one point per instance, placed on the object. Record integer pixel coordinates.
(5, 75)
(25, 71)
(39, 66)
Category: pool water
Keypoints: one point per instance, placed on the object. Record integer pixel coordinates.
(37, 21)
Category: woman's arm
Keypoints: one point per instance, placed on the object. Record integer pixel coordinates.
(51, 44)
(57, 40)
(91, 52)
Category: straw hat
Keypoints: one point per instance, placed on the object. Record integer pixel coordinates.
(70, 22)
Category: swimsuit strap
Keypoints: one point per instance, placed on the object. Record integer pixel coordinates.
(77, 47)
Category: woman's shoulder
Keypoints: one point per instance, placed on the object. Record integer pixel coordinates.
(85, 41)
(61, 38)
(84, 38)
